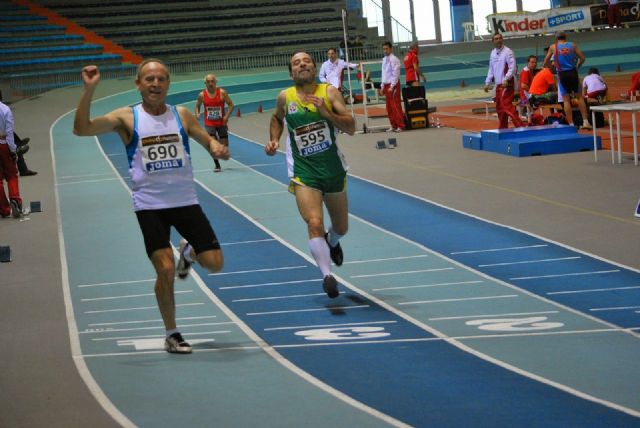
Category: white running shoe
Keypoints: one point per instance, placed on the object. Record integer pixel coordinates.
(175, 344)
(183, 264)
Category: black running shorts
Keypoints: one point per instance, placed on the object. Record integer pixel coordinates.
(189, 221)
(218, 132)
(570, 81)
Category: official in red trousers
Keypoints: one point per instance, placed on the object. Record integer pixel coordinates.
(8, 168)
(502, 69)
(390, 88)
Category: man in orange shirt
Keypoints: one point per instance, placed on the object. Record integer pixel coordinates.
(543, 88)
(412, 72)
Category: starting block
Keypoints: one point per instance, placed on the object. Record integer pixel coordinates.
(5, 254)
(36, 207)
(389, 144)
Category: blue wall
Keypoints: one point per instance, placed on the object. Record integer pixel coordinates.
(461, 11)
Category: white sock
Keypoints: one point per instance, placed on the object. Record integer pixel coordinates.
(187, 253)
(320, 252)
(333, 237)
(172, 331)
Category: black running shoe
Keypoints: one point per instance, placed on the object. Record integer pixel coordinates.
(183, 264)
(336, 252)
(330, 286)
(16, 208)
(175, 344)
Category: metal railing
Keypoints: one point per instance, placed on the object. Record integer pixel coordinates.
(16, 86)
(266, 60)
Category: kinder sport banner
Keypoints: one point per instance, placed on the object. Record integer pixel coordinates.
(552, 20)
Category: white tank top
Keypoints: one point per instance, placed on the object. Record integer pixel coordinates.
(160, 161)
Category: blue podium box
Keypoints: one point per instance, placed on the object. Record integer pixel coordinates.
(530, 141)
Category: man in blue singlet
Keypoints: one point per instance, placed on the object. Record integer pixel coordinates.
(156, 138)
(568, 59)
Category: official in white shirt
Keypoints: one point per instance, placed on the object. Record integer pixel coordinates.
(390, 88)
(502, 69)
(331, 70)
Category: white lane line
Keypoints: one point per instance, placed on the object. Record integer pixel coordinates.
(401, 273)
(251, 195)
(240, 166)
(385, 259)
(402, 287)
(101, 174)
(101, 180)
(162, 336)
(614, 308)
(199, 350)
(100, 284)
(257, 270)
(115, 330)
(139, 308)
(594, 290)
(531, 261)
(293, 296)
(472, 337)
(488, 250)
(264, 164)
(147, 321)
(297, 327)
(255, 241)
(381, 342)
(492, 315)
(419, 302)
(266, 284)
(270, 351)
(129, 296)
(523, 278)
(294, 311)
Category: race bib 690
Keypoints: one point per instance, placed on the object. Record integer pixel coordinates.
(162, 152)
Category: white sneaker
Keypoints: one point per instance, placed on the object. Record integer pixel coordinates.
(390, 130)
(183, 264)
(175, 344)
(398, 130)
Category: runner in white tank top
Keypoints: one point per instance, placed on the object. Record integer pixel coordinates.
(157, 139)
(160, 161)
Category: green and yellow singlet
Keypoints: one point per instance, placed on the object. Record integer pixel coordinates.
(312, 153)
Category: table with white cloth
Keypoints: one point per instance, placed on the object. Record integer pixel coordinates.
(633, 108)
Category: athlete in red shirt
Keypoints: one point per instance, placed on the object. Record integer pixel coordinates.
(412, 66)
(526, 77)
(215, 117)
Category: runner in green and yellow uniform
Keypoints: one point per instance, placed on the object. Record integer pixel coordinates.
(317, 168)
